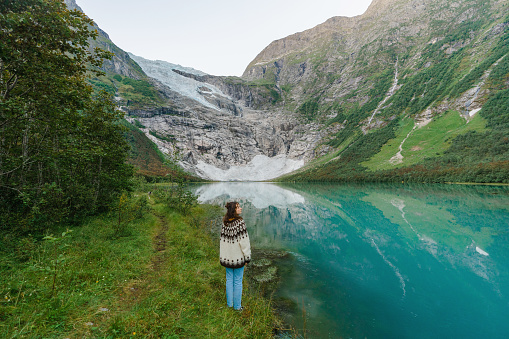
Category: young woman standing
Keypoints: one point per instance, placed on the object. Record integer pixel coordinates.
(234, 253)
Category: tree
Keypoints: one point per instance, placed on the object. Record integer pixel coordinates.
(62, 152)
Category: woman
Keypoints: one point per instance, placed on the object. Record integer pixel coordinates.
(234, 253)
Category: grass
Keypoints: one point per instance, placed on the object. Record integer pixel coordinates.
(429, 141)
(157, 276)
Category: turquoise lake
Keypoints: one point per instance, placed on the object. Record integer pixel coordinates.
(383, 261)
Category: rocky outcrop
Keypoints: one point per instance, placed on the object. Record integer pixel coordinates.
(235, 88)
(223, 140)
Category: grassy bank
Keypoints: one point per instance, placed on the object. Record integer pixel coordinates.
(153, 275)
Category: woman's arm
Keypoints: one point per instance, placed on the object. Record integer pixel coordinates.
(244, 242)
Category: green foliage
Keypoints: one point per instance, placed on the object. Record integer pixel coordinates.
(128, 209)
(486, 147)
(134, 93)
(177, 194)
(429, 141)
(500, 73)
(62, 153)
(100, 85)
(117, 78)
(472, 156)
(138, 124)
(474, 76)
(309, 109)
(355, 113)
(287, 88)
(424, 88)
(276, 96)
(142, 87)
(458, 33)
(369, 144)
(169, 138)
(58, 257)
(69, 278)
(148, 160)
(496, 111)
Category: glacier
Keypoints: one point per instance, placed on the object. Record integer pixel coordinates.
(163, 72)
(257, 166)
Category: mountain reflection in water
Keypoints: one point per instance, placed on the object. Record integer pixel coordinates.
(387, 261)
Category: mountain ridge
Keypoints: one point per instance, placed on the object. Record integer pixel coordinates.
(340, 94)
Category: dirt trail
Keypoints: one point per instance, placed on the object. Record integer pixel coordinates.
(159, 242)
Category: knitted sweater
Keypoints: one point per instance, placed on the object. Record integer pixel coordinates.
(235, 248)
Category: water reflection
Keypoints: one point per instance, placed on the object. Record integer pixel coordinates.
(382, 260)
(261, 195)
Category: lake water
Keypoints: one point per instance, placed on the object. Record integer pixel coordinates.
(383, 261)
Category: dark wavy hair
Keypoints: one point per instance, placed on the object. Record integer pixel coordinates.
(231, 212)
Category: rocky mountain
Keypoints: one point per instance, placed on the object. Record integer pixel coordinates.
(221, 128)
(403, 84)
(410, 90)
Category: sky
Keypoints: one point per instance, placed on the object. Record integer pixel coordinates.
(218, 37)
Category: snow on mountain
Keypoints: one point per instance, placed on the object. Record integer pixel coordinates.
(163, 71)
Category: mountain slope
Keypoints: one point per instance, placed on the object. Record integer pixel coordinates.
(413, 90)
(220, 127)
(400, 65)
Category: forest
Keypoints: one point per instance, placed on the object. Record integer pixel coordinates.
(62, 153)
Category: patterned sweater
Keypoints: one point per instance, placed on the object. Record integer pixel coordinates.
(235, 248)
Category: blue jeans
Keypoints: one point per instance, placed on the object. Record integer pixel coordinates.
(234, 287)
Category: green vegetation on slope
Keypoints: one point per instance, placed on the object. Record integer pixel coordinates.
(144, 154)
(448, 149)
(148, 160)
(420, 143)
(133, 93)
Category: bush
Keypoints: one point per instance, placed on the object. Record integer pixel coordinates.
(177, 196)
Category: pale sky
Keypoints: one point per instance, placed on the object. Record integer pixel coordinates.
(218, 37)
